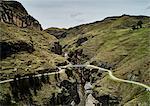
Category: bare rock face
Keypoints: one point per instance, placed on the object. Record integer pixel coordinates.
(13, 12)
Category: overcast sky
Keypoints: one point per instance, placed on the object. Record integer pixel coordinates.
(69, 13)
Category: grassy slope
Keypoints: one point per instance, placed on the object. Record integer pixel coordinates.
(113, 41)
(41, 58)
(110, 40)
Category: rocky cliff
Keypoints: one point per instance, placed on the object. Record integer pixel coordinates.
(13, 12)
(111, 43)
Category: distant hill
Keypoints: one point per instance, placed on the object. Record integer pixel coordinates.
(115, 43)
(57, 32)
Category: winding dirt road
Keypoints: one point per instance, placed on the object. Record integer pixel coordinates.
(61, 70)
(111, 75)
(38, 75)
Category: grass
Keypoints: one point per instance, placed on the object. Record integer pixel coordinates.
(42, 57)
(110, 41)
(25, 63)
(114, 42)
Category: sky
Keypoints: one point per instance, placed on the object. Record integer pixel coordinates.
(69, 13)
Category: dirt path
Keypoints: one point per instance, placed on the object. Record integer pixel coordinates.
(92, 66)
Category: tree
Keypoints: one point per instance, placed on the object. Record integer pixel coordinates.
(139, 23)
(57, 75)
(14, 90)
(69, 73)
(53, 100)
(47, 79)
(31, 81)
(43, 79)
(6, 100)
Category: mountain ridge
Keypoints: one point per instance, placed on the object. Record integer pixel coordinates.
(54, 30)
(116, 43)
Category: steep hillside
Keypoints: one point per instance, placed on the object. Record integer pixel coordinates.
(120, 43)
(113, 43)
(13, 12)
(25, 51)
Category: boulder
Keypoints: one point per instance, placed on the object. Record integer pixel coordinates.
(80, 41)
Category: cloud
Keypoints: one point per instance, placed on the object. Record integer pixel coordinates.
(78, 16)
(80, 20)
(68, 13)
(148, 7)
(74, 15)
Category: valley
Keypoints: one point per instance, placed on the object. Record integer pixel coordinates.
(104, 63)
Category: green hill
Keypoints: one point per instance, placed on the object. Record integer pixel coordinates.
(31, 51)
(115, 43)
(25, 52)
(112, 41)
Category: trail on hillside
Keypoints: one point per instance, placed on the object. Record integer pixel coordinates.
(61, 70)
(121, 80)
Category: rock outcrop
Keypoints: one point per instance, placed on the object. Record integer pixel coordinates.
(57, 48)
(57, 32)
(13, 12)
(9, 48)
(107, 100)
(77, 56)
(68, 94)
(80, 41)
